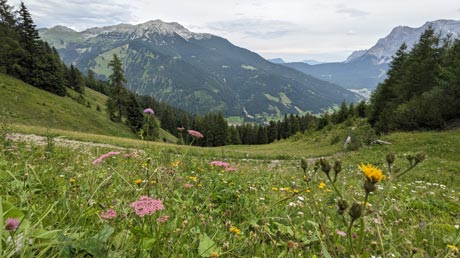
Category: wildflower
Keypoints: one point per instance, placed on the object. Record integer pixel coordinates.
(193, 178)
(235, 230)
(187, 185)
(138, 181)
(291, 244)
(453, 248)
(342, 205)
(373, 174)
(180, 129)
(146, 206)
(219, 163)
(325, 166)
(304, 164)
(72, 180)
(322, 185)
(149, 111)
(163, 219)
(340, 233)
(105, 156)
(195, 133)
(109, 214)
(214, 255)
(230, 169)
(11, 224)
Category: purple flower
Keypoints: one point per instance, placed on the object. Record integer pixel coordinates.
(104, 156)
(195, 133)
(219, 164)
(11, 224)
(340, 233)
(149, 111)
(146, 206)
(109, 214)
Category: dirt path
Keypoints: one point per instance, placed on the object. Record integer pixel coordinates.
(59, 141)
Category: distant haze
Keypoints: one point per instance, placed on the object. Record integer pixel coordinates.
(294, 30)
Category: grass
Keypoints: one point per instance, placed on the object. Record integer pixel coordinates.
(30, 108)
(264, 209)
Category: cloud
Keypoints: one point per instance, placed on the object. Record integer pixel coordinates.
(256, 27)
(352, 12)
(79, 14)
(351, 33)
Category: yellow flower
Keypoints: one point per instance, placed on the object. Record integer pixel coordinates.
(138, 181)
(214, 255)
(372, 173)
(328, 190)
(175, 163)
(296, 190)
(308, 190)
(274, 189)
(72, 180)
(322, 185)
(453, 248)
(235, 230)
(193, 178)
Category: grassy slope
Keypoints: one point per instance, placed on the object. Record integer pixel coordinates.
(34, 108)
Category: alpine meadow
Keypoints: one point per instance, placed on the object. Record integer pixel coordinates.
(123, 135)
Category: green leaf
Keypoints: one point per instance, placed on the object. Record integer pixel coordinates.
(207, 246)
(10, 211)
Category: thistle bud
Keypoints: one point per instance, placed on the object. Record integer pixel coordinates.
(355, 211)
(410, 158)
(390, 158)
(304, 164)
(325, 166)
(369, 186)
(419, 157)
(337, 166)
(342, 205)
(317, 165)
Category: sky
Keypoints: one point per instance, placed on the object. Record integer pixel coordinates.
(295, 30)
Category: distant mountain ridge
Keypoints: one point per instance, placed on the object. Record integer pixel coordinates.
(366, 68)
(195, 71)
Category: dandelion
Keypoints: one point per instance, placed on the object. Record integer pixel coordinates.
(105, 156)
(195, 134)
(372, 173)
(72, 180)
(163, 219)
(453, 248)
(235, 230)
(214, 255)
(321, 185)
(109, 214)
(146, 206)
(193, 178)
(149, 111)
(138, 181)
(11, 224)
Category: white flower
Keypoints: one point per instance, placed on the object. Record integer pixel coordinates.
(301, 198)
(456, 227)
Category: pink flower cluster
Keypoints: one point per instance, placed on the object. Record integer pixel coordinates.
(104, 156)
(149, 111)
(109, 214)
(11, 224)
(224, 165)
(146, 206)
(195, 133)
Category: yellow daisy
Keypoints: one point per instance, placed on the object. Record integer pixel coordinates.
(372, 173)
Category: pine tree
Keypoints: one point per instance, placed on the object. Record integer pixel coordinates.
(118, 93)
(77, 81)
(134, 116)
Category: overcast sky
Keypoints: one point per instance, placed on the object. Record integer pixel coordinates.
(295, 30)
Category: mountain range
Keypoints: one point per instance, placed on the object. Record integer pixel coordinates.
(195, 71)
(366, 68)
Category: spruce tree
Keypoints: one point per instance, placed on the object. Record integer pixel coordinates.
(118, 93)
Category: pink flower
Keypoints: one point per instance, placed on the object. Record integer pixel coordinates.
(109, 214)
(163, 219)
(180, 129)
(11, 224)
(187, 185)
(230, 169)
(219, 164)
(130, 154)
(195, 133)
(340, 233)
(149, 111)
(146, 206)
(105, 156)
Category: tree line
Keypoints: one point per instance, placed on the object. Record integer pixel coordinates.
(422, 90)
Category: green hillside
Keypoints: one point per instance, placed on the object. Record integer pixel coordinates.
(27, 105)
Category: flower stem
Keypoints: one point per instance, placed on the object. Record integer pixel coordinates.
(361, 231)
